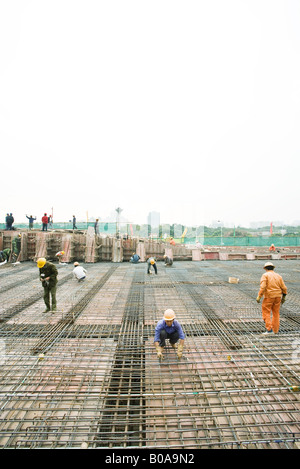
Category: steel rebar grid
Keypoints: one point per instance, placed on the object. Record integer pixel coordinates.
(243, 395)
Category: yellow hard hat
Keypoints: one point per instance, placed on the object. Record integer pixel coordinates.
(169, 315)
(152, 261)
(41, 262)
(62, 252)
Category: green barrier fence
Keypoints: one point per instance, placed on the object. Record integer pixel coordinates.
(193, 236)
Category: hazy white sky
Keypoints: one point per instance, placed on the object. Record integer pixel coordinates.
(189, 108)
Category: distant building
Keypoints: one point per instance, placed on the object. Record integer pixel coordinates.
(153, 223)
(154, 219)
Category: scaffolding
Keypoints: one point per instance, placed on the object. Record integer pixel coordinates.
(87, 376)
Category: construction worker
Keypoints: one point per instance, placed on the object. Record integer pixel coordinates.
(274, 291)
(45, 221)
(31, 220)
(74, 223)
(48, 277)
(4, 256)
(96, 226)
(9, 219)
(79, 272)
(16, 247)
(168, 260)
(168, 328)
(272, 248)
(151, 262)
(59, 256)
(135, 258)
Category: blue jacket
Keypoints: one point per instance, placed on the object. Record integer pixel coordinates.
(162, 325)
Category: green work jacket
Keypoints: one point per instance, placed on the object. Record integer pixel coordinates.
(49, 270)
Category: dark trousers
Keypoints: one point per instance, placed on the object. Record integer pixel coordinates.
(172, 337)
(45, 227)
(154, 267)
(47, 292)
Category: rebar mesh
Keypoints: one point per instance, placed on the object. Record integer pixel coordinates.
(88, 375)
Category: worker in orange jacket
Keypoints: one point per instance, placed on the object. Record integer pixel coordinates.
(274, 291)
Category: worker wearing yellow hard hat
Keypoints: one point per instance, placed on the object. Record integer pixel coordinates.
(151, 262)
(60, 255)
(168, 328)
(48, 277)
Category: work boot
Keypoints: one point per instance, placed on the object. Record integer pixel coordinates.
(53, 309)
(267, 332)
(46, 310)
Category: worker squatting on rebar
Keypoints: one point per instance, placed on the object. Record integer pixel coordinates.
(274, 291)
(168, 260)
(134, 258)
(79, 272)
(168, 328)
(48, 277)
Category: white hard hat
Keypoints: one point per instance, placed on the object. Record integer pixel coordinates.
(169, 315)
(269, 264)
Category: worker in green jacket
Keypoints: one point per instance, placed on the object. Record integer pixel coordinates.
(4, 255)
(48, 277)
(16, 247)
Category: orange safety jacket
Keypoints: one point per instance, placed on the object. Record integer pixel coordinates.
(272, 285)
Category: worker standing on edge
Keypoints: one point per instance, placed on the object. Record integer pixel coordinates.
(45, 221)
(96, 226)
(48, 277)
(31, 220)
(151, 262)
(74, 223)
(168, 328)
(273, 288)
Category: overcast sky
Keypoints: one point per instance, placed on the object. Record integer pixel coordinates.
(188, 108)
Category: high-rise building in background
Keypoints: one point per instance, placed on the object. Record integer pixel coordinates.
(153, 220)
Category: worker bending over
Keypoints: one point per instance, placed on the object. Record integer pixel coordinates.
(168, 328)
(135, 258)
(60, 255)
(4, 255)
(48, 277)
(274, 291)
(151, 262)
